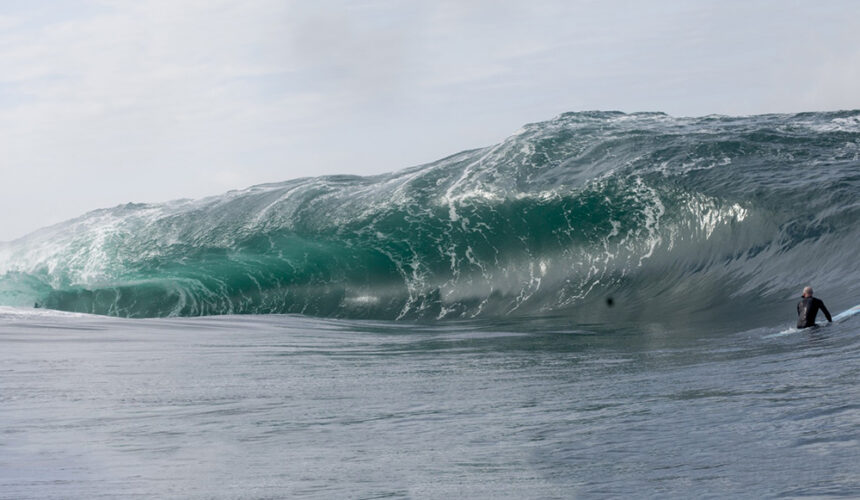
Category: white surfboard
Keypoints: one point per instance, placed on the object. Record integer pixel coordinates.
(846, 314)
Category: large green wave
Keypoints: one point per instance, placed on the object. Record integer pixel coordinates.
(666, 216)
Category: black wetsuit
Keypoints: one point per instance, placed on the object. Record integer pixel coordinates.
(807, 309)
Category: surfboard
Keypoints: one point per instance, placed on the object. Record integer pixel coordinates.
(846, 314)
(836, 319)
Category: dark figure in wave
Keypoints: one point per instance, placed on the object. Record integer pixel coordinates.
(808, 308)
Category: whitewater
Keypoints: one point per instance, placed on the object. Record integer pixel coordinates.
(599, 306)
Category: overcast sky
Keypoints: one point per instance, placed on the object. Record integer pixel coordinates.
(105, 102)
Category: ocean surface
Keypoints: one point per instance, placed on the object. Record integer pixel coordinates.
(600, 306)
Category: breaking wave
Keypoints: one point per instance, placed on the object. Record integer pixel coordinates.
(657, 216)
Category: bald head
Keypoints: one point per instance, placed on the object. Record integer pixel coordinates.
(807, 292)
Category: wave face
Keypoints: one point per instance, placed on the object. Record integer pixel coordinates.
(671, 217)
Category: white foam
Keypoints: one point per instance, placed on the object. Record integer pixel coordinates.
(362, 300)
(843, 124)
(782, 333)
(17, 313)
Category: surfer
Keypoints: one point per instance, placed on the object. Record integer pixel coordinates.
(808, 308)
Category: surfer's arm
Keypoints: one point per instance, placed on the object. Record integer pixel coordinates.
(826, 312)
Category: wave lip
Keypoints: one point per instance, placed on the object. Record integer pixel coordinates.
(667, 216)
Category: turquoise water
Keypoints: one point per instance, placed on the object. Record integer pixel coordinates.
(600, 306)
